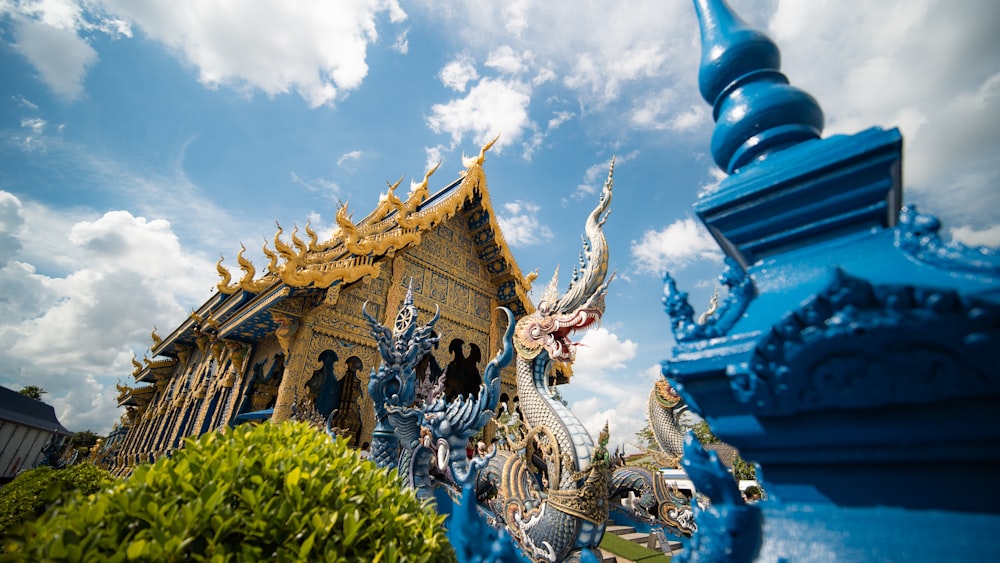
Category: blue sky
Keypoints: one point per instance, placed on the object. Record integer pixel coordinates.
(141, 139)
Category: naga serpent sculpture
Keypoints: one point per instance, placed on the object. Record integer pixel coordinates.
(548, 484)
(659, 503)
(665, 410)
(559, 514)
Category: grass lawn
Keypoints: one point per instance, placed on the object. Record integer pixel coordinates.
(632, 550)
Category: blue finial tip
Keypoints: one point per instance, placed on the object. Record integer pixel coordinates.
(755, 109)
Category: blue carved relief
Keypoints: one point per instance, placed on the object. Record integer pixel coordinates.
(855, 356)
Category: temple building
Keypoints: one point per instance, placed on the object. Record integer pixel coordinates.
(29, 433)
(294, 342)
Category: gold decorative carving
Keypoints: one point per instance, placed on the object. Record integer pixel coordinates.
(216, 348)
(287, 327)
(183, 353)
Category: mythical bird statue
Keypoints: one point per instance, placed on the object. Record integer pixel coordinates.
(561, 513)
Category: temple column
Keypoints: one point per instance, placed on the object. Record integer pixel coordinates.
(294, 340)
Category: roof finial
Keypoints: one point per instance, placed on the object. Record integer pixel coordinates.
(756, 111)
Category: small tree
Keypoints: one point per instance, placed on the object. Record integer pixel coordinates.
(742, 469)
(33, 391)
(645, 440)
(704, 433)
(85, 440)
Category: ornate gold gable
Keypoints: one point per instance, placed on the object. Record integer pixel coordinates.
(352, 251)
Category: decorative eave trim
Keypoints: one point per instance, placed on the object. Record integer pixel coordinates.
(256, 305)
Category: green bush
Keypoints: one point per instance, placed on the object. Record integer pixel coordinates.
(31, 492)
(281, 492)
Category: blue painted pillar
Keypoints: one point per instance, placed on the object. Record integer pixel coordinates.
(855, 356)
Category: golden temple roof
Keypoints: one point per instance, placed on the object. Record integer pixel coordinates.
(351, 253)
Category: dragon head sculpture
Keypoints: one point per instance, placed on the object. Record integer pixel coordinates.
(556, 316)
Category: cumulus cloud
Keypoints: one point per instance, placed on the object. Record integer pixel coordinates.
(601, 351)
(977, 237)
(674, 247)
(492, 106)
(11, 221)
(59, 54)
(73, 334)
(505, 60)
(617, 48)
(927, 67)
(520, 225)
(316, 49)
(602, 389)
(48, 35)
(599, 57)
(457, 73)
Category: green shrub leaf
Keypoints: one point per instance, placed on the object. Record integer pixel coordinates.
(280, 492)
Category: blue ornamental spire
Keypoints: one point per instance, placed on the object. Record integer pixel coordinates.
(756, 111)
(847, 322)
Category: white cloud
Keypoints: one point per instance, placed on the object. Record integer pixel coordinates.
(977, 237)
(928, 67)
(601, 351)
(328, 188)
(11, 222)
(560, 118)
(593, 179)
(602, 390)
(35, 124)
(457, 73)
(520, 225)
(48, 34)
(597, 174)
(59, 54)
(402, 43)
(492, 106)
(315, 48)
(674, 247)
(593, 51)
(25, 102)
(348, 159)
(434, 156)
(715, 177)
(667, 111)
(324, 230)
(74, 334)
(505, 60)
